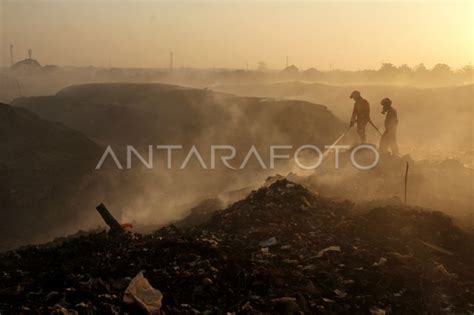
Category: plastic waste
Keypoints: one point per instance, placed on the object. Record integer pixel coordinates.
(140, 292)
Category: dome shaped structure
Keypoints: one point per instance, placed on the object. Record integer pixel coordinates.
(26, 65)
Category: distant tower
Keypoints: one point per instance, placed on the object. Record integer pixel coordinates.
(11, 54)
(287, 61)
(171, 60)
(30, 51)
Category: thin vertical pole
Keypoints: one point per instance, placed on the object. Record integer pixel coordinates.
(406, 182)
(18, 86)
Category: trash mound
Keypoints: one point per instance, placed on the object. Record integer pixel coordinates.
(281, 249)
(442, 185)
(158, 109)
(43, 167)
(399, 222)
(201, 213)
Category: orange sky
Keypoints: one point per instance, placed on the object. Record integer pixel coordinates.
(345, 34)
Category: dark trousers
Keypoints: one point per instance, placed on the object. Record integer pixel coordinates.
(361, 124)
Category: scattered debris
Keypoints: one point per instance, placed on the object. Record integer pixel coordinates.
(436, 248)
(328, 249)
(269, 242)
(376, 311)
(440, 271)
(382, 261)
(320, 258)
(340, 294)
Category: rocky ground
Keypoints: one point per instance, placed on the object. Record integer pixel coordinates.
(281, 249)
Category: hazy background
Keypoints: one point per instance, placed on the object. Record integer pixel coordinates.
(100, 75)
(347, 35)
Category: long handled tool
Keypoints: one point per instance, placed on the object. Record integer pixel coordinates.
(335, 142)
(328, 150)
(373, 125)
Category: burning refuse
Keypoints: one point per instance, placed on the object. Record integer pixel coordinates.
(281, 249)
(165, 118)
(293, 245)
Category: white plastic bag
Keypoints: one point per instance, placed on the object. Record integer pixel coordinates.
(140, 292)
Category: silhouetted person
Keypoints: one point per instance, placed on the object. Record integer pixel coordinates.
(360, 114)
(389, 137)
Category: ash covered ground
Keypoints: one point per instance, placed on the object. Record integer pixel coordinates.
(283, 249)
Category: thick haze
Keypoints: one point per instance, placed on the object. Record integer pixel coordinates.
(347, 35)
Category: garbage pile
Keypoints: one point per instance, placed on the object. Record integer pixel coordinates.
(443, 185)
(282, 249)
